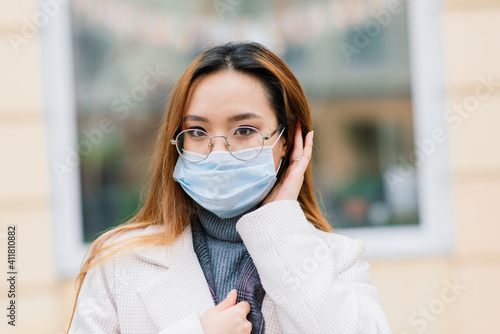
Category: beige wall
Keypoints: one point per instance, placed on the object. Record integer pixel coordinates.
(471, 49)
(24, 183)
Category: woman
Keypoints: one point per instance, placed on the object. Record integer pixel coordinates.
(231, 238)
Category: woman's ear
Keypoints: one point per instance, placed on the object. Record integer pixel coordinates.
(283, 147)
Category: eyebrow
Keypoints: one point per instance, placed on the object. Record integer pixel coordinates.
(235, 118)
(242, 117)
(195, 118)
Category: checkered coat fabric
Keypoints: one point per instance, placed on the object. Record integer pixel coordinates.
(316, 282)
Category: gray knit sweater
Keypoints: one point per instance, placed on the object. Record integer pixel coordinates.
(226, 249)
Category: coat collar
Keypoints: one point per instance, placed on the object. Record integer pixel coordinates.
(181, 288)
(178, 290)
(164, 256)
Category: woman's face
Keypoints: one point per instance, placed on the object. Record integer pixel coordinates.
(223, 100)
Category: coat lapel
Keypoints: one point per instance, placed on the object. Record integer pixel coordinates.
(181, 288)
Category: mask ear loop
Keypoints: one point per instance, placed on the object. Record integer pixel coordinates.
(279, 166)
(281, 160)
(278, 137)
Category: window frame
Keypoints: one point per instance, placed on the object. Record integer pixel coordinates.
(431, 236)
(61, 118)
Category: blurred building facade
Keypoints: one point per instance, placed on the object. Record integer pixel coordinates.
(450, 293)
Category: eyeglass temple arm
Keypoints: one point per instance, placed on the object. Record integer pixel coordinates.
(272, 133)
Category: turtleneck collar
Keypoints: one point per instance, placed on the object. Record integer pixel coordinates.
(219, 228)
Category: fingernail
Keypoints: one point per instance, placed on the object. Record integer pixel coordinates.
(232, 293)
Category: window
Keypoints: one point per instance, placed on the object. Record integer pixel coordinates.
(370, 70)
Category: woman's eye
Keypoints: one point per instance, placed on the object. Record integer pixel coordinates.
(244, 132)
(197, 133)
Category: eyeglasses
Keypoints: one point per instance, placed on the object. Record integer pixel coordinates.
(243, 142)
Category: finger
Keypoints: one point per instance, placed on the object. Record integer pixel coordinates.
(229, 300)
(243, 306)
(307, 153)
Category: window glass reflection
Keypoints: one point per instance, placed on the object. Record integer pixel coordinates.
(350, 56)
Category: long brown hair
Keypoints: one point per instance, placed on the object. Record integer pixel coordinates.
(167, 204)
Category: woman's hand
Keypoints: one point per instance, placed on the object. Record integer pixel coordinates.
(301, 155)
(227, 318)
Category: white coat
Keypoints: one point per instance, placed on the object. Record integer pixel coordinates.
(316, 282)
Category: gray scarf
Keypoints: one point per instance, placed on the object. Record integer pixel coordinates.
(227, 264)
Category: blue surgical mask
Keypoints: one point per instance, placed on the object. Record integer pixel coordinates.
(225, 185)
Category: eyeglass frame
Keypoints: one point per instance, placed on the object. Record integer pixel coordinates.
(174, 141)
